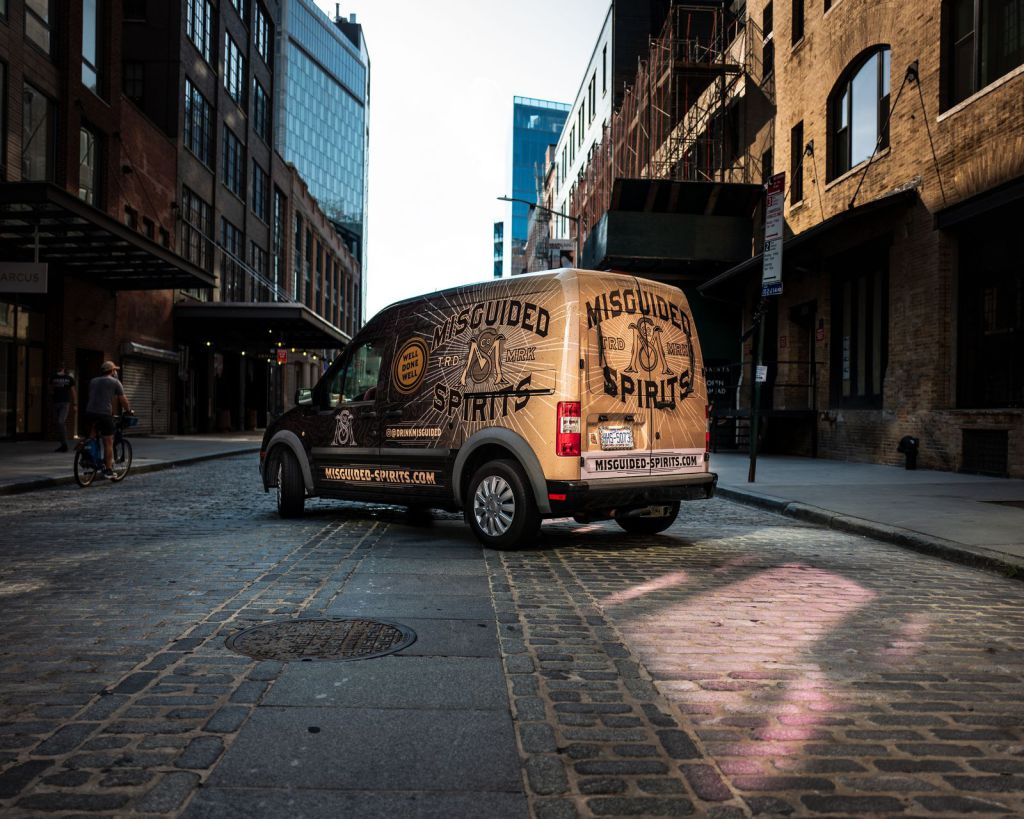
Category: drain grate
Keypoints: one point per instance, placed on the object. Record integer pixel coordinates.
(349, 639)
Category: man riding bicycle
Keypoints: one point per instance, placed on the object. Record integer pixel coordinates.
(99, 411)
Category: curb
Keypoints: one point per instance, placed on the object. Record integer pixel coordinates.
(49, 483)
(907, 538)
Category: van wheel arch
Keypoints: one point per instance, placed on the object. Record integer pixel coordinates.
(497, 444)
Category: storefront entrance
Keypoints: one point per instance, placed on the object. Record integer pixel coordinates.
(22, 373)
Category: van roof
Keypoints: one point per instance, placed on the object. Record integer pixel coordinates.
(559, 273)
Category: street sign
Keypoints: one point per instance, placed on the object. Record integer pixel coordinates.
(22, 277)
(771, 269)
(761, 373)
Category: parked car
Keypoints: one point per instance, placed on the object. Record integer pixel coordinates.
(567, 393)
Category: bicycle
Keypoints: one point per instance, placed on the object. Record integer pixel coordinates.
(89, 460)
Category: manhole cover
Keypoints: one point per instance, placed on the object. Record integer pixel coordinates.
(321, 640)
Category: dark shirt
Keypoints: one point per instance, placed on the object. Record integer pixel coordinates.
(61, 384)
(102, 390)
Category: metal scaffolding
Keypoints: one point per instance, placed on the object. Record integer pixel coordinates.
(681, 118)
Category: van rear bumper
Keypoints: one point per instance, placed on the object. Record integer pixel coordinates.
(621, 493)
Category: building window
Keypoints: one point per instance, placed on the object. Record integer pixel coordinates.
(36, 136)
(198, 128)
(241, 6)
(260, 185)
(234, 70)
(796, 163)
(593, 97)
(234, 164)
(766, 166)
(88, 171)
(262, 34)
(859, 112)
(260, 111)
(39, 22)
(860, 337)
(196, 229)
(768, 41)
(134, 11)
(278, 238)
(134, 80)
(199, 26)
(3, 117)
(604, 70)
(297, 260)
(984, 41)
(232, 282)
(258, 262)
(92, 26)
(798, 21)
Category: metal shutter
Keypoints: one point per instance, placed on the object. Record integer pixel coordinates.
(137, 378)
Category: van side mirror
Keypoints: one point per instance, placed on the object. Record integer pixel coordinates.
(303, 395)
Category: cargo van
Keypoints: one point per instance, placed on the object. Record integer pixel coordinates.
(569, 393)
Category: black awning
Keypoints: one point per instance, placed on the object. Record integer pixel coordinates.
(255, 326)
(697, 198)
(982, 204)
(87, 243)
(811, 238)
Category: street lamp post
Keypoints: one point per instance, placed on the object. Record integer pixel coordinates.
(575, 219)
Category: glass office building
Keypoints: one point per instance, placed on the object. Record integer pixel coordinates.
(323, 106)
(535, 125)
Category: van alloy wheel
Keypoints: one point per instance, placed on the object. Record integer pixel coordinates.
(494, 505)
(500, 506)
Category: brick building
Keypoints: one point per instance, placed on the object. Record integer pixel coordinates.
(900, 127)
(86, 187)
(205, 73)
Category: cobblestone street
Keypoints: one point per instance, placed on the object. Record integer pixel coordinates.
(741, 664)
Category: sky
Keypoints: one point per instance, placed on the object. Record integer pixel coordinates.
(442, 77)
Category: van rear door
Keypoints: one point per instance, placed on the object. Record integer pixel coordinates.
(617, 418)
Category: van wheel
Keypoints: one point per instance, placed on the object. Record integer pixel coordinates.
(649, 525)
(500, 506)
(291, 489)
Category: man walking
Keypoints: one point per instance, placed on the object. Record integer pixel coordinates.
(64, 397)
(99, 411)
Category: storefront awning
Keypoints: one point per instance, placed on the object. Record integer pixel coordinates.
(811, 240)
(255, 326)
(662, 225)
(84, 242)
(1008, 194)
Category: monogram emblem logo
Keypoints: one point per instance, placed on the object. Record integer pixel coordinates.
(648, 349)
(343, 435)
(483, 361)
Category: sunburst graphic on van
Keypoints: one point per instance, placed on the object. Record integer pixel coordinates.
(483, 360)
(648, 349)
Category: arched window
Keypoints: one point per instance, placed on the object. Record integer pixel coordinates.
(859, 111)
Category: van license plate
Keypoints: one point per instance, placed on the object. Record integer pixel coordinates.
(618, 438)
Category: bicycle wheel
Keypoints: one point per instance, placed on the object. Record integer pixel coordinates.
(85, 470)
(122, 459)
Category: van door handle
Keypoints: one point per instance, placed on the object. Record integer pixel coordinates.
(368, 413)
(665, 405)
(393, 414)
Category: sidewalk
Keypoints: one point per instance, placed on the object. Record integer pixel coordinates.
(968, 518)
(28, 465)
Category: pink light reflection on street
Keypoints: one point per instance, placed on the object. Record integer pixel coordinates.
(666, 581)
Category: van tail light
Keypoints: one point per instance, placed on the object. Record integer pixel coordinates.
(707, 429)
(568, 426)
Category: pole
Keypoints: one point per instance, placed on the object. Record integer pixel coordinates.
(755, 401)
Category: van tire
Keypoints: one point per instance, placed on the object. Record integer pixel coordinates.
(649, 526)
(502, 483)
(291, 489)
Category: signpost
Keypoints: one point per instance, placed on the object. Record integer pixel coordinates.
(771, 285)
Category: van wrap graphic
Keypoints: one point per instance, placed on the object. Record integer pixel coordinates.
(645, 347)
(410, 365)
(488, 360)
(343, 434)
(376, 475)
